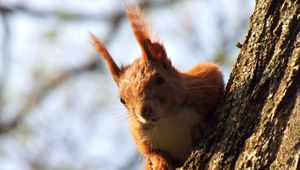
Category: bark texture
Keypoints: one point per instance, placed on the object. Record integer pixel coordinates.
(257, 125)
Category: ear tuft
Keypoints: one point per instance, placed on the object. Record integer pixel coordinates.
(113, 67)
(152, 50)
(140, 29)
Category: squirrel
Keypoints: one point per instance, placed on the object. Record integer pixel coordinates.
(168, 109)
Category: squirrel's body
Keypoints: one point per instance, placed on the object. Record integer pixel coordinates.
(168, 110)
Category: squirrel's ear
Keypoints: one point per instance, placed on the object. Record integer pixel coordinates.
(158, 52)
(151, 50)
(113, 67)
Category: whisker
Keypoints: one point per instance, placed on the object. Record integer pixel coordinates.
(117, 119)
(140, 158)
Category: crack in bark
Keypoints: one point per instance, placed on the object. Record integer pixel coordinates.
(251, 121)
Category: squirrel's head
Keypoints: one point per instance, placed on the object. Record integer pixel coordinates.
(149, 87)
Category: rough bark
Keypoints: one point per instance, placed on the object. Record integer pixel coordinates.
(257, 125)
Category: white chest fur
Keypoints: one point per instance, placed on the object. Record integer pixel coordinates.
(174, 134)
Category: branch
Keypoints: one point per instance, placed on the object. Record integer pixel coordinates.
(37, 97)
(67, 15)
(5, 56)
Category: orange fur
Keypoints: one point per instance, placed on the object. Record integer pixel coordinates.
(140, 28)
(113, 67)
(168, 110)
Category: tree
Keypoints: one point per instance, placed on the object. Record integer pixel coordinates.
(257, 125)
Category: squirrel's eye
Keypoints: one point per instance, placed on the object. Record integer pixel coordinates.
(159, 79)
(122, 101)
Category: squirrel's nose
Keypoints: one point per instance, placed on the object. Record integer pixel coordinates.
(148, 114)
(146, 111)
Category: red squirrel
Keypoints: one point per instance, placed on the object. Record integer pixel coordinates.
(168, 109)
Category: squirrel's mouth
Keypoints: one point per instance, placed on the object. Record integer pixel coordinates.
(149, 120)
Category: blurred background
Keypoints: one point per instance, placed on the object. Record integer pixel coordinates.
(59, 107)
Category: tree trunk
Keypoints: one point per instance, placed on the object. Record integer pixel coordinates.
(257, 125)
